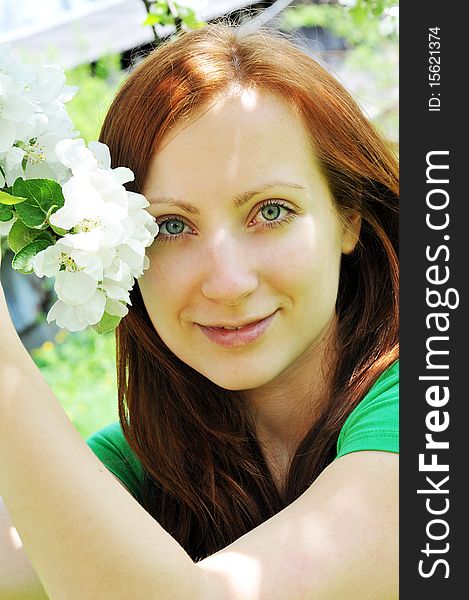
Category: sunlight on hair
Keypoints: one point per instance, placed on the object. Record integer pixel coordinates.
(249, 99)
(264, 17)
(15, 538)
(248, 581)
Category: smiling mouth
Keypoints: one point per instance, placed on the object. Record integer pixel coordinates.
(236, 327)
(237, 335)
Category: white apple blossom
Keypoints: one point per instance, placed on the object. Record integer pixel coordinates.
(94, 160)
(103, 230)
(77, 317)
(103, 249)
(33, 119)
(15, 110)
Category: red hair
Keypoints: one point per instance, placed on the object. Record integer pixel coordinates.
(206, 480)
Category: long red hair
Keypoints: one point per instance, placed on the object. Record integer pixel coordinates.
(206, 479)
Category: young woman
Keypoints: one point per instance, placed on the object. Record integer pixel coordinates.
(256, 454)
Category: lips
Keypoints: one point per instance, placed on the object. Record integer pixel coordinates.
(235, 325)
(237, 334)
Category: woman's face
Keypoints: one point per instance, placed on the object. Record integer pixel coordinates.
(249, 238)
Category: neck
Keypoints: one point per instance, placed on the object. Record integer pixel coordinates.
(285, 409)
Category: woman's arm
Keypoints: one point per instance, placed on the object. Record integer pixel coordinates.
(337, 540)
(18, 581)
(87, 537)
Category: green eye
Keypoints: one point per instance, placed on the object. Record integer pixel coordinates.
(172, 227)
(271, 212)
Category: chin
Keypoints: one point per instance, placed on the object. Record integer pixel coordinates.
(236, 382)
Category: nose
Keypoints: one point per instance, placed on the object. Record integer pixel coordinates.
(230, 275)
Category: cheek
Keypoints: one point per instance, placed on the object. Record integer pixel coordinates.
(305, 262)
(166, 283)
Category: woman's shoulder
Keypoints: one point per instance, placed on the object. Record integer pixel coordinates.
(111, 447)
(374, 422)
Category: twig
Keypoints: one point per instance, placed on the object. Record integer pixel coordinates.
(147, 4)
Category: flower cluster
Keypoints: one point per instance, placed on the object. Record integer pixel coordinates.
(33, 118)
(66, 212)
(96, 262)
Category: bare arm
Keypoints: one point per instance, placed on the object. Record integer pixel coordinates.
(18, 581)
(338, 540)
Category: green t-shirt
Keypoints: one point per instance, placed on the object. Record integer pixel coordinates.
(372, 425)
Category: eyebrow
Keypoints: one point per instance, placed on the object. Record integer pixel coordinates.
(238, 201)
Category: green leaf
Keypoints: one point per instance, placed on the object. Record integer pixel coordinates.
(154, 19)
(23, 260)
(159, 6)
(191, 21)
(41, 195)
(9, 200)
(108, 323)
(58, 230)
(159, 14)
(6, 213)
(379, 7)
(359, 13)
(20, 236)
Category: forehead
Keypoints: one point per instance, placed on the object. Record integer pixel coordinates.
(250, 136)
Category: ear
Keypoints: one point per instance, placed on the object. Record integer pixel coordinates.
(352, 221)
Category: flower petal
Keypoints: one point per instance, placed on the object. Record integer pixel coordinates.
(75, 155)
(17, 108)
(74, 287)
(5, 226)
(7, 135)
(116, 308)
(50, 82)
(47, 262)
(92, 311)
(62, 314)
(114, 291)
(101, 153)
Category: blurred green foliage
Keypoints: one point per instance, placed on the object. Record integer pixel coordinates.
(80, 368)
(162, 12)
(361, 10)
(369, 65)
(97, 87)
(358, 25)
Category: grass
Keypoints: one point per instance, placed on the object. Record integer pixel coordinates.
(80, 369)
